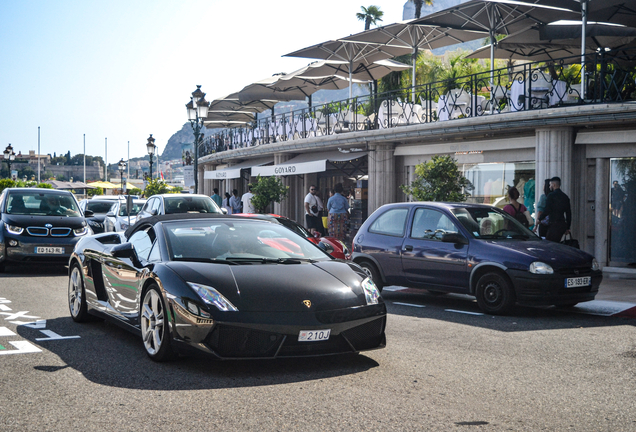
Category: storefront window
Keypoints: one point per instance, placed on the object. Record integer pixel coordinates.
(623, 211)
(492, 180)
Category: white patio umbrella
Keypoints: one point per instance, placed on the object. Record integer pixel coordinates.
(415, 37)
(354, 54)
(261, 90)
(231, 102)
(557, 40)
(498, 17)
(240, 116)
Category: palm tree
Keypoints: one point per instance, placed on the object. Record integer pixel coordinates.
(419, 4)
(370, 15)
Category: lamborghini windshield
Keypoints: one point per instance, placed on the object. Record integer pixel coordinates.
(238, 241)
(491, 223)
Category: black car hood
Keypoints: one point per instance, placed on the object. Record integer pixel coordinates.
(556, 255)
(327, 285)
(40, 221)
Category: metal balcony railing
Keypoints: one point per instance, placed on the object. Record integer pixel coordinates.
(523, 87)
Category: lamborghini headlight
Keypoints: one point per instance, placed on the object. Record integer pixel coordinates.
(371, 292)
(211, 296)
(539, 267)
(14, 229)
(595, 265)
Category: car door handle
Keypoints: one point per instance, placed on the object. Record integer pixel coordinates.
(408, 248)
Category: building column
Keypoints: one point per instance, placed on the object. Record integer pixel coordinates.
(286, 206)
(382, 181)
(601, 211)
(554, 157)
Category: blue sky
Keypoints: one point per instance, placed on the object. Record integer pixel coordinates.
(124, 69)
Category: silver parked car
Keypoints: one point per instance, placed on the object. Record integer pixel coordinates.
(119, 218)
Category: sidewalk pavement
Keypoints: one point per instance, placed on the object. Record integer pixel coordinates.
(616, 297)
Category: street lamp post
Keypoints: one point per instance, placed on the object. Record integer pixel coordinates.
(197, 112)
(9, 157)
(150, 145)
(121, 166)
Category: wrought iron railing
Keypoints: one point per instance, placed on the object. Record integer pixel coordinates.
(520, 87)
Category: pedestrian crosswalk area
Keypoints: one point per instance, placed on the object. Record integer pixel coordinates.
(11, 342)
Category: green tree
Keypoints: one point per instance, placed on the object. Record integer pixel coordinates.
(135, 191)
(267, 190)
(370, 15)
(419, 4)
(156, 186)
(6, 183)
(93, 192)
(439, 180)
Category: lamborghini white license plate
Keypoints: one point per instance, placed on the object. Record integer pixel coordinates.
(49, 250)
(578, 282)
(313, 335)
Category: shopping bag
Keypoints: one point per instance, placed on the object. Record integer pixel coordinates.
(569, 241)
(325, 222)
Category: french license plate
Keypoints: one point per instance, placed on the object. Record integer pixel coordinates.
(313, 335)
(578, 282)
(49, 250)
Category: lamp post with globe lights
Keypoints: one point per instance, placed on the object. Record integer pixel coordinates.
(121, 166)
(197, 112)
(150, 145)
(9, 157)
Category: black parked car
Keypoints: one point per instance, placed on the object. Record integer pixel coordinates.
(99, 209)
(163, 204)
(472, 249)
(219, 284)
(39, 225)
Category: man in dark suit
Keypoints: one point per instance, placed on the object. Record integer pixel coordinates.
(558, 209)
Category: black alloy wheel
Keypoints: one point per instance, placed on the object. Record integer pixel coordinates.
(495, 294)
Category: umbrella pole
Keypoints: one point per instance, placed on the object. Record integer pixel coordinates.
(350, 79)
(583, 31)
(414, 59)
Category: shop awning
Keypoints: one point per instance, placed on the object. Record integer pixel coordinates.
(306, 163)
(235, 170)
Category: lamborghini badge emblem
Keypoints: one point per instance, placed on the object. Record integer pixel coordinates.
(307, 303)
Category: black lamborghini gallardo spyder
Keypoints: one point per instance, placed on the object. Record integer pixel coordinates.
(233, 287)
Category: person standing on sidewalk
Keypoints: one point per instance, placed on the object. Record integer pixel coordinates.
(337, 207)
(247, 201)
(235, 202)
(557, 208)
(311, 211)
(217, 198)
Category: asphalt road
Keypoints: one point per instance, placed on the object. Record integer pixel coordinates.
(446, 368)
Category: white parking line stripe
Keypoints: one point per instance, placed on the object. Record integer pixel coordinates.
(408, 304)
(23, 347)
(463, 312)
(6, 332)
(4, 307)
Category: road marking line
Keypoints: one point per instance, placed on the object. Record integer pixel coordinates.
(39, 324)
(463, 312)
(409, 304)
(54, 336)
(22, 314)
(23, 347)
(4, 307)
(6, 332)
